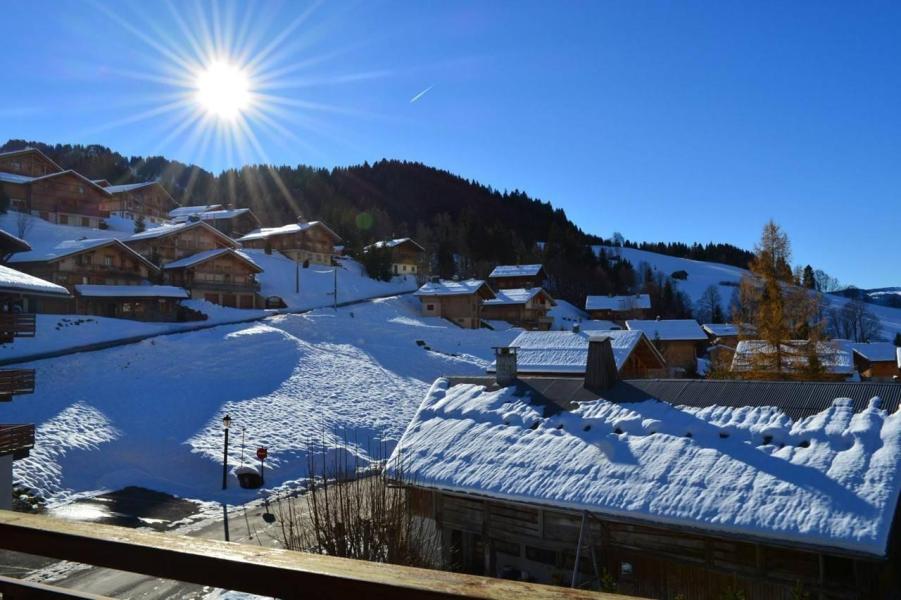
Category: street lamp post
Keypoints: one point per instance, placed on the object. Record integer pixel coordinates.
(226, 421)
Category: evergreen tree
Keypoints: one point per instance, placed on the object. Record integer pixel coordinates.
(808, 280)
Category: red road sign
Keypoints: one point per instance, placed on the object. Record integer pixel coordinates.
(262, 453)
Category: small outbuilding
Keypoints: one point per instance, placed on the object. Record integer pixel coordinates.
(505, 277)
(618, 308)
(876, 360)
(679, 340)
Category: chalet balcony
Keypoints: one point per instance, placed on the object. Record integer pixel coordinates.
(14, 382)
(243, 568)
(17, 440)
(13, 325)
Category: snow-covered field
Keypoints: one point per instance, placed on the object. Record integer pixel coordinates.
(726, 278)
(149, 414)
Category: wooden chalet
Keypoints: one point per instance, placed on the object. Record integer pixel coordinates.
(221, 276)
(306, 242)
(17, 440)
(456, 301)
(757, 359)
(168, 243)
(137, 302)
(504, 277)
(663, 488)
(233, 222)
(97, 262)
(37, 185)
(876, 360)
(526, 308)
(132, 200)
(680, 341)
(406, 254)
(723, 334)
(618, 308)
(565, 354)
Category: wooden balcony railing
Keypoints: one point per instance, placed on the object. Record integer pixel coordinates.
(252, 569)
(14, 382)
(13, 325)
(17, 440)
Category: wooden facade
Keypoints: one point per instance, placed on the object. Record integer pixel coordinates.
(508, 282)
(883, 370)
(174, 243)
(225, 278)
(149, 200)
(529, 314)
(464, 310)
(680, 354)
(149, 307)
(312, 243)
(65, 198)
(29, 162)
(537, 543)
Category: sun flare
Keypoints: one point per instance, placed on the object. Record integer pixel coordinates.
(223, 90)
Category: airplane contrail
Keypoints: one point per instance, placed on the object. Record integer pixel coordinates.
(421, 94)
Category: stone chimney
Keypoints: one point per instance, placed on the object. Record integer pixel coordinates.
(600, 371)
(505, 365)
(577, 327)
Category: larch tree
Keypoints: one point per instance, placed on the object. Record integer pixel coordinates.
(778, 313)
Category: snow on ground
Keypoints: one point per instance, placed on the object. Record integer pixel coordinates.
(149, 414)
(831, 479)
(726, 277)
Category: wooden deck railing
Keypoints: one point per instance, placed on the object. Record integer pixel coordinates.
(14, 382)
(252, 569)
(13, 325)
(17, 440)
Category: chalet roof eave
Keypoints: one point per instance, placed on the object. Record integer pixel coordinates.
(31, 150)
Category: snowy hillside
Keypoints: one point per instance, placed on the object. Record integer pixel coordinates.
(726, 278)
(150, 414)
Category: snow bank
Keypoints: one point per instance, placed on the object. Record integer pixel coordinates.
(831, 479)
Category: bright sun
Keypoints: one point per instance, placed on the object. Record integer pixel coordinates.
(223, 90)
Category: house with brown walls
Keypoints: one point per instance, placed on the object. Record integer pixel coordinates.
(97, 262)
(233, 222)
(221, 276)
(142, 302)
(517, 276)
(618, 308)
(456, 301)
(167, 243)
(565, 354)
(526, 308)
(661, 488)
(306, 242)
(876, 360)
(29, 162)
(406, 254)
(680, 341)
(132, 200)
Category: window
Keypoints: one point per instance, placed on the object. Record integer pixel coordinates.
(430, 307)
(85, 222)
(108, 261)
(87, 259)
(63, 219)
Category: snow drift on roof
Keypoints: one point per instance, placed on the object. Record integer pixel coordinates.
(450, 288)
(266, 232)
(829, 480)
(835, 356)
(514, 296)
(197, 258)
(393, 243)
(128, 187)
(618, 303)
(876, 351)
(15, 178)
(184, 211)
(22, 283)
(669, 329)
(567, 352)
(60, 250)
(131, 291)
(515, 271)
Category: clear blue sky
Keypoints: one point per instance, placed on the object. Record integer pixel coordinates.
(663, 120)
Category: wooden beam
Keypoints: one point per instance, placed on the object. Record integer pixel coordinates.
(19, 589)
(253, 569)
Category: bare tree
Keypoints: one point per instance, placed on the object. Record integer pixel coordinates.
(826, 283)
(855, 321)
(709, 308)
(23, 224)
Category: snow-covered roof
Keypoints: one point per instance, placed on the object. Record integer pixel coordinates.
(200, 257)
(15, 244)
(69, 247)
(266, 232)
(16, 282)
(835, 356)
(184, 211)
(131, 291)
(830, 480)
(129, 187)
(618, 303)
(515, 271)
(393, 244)
(515, 296)
(567, 352)
(15, 178)
(212, 215)
(164, 230)
(74, 173)
(446, 287)
(721, 329)
(669, 329)
(876, 351)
